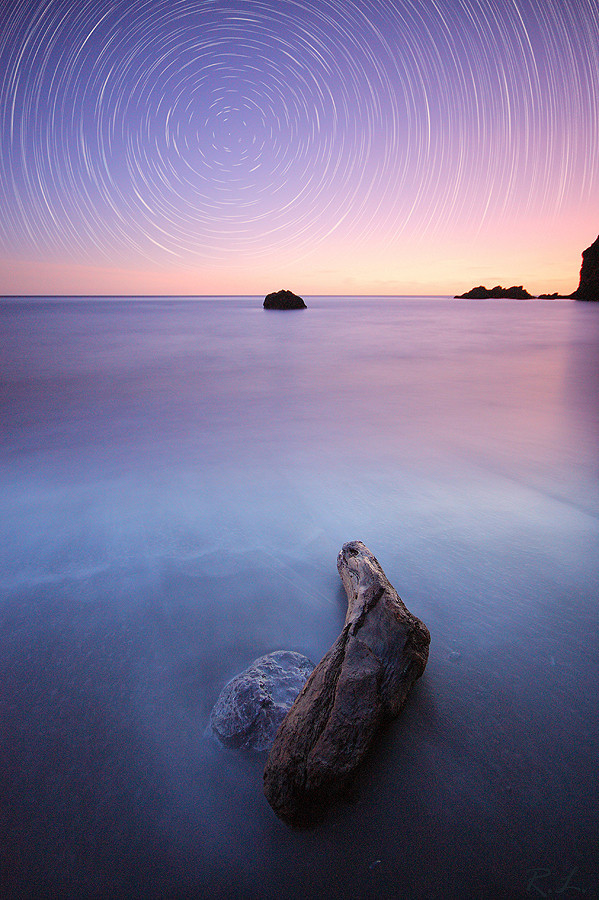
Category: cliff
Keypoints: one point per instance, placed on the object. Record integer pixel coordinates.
(588, 289)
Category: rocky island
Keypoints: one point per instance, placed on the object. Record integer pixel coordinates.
(283, 299)
(516, 292)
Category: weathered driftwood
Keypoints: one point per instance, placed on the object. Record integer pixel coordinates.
(362, 681)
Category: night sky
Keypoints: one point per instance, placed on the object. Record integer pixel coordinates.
(337, 146)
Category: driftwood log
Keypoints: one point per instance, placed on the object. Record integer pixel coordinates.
(362, 681)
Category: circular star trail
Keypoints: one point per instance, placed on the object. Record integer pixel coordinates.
(199, 130)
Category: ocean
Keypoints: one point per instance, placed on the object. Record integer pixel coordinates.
(177, 478)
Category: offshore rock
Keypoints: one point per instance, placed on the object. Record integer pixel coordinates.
(362, 682)
(283, 300)
(516, 292)
(252, 705)
(588, 289)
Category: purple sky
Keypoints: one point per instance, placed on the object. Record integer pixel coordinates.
(199, 146)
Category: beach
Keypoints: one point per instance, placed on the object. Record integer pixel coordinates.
(178, 476)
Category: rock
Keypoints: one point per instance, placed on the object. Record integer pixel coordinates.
(588, 289)
(516, 292)
(283, 300)
(252, 705)
(362, 682)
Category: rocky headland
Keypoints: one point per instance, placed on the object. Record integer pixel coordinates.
(588, 288)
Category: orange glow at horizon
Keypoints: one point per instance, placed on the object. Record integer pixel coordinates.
(404, 147)
(547, 263)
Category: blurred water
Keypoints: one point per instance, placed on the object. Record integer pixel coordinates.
(177, 479)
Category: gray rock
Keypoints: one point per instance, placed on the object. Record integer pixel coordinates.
(362, 682)
(252, 705)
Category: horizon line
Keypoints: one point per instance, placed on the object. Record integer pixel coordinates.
(200, 296)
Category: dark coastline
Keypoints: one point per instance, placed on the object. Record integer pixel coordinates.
(588, 287)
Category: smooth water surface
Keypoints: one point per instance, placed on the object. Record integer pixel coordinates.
(177, 477)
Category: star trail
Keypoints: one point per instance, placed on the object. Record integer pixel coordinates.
(199, 135)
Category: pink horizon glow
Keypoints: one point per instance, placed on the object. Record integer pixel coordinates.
(348, 148)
